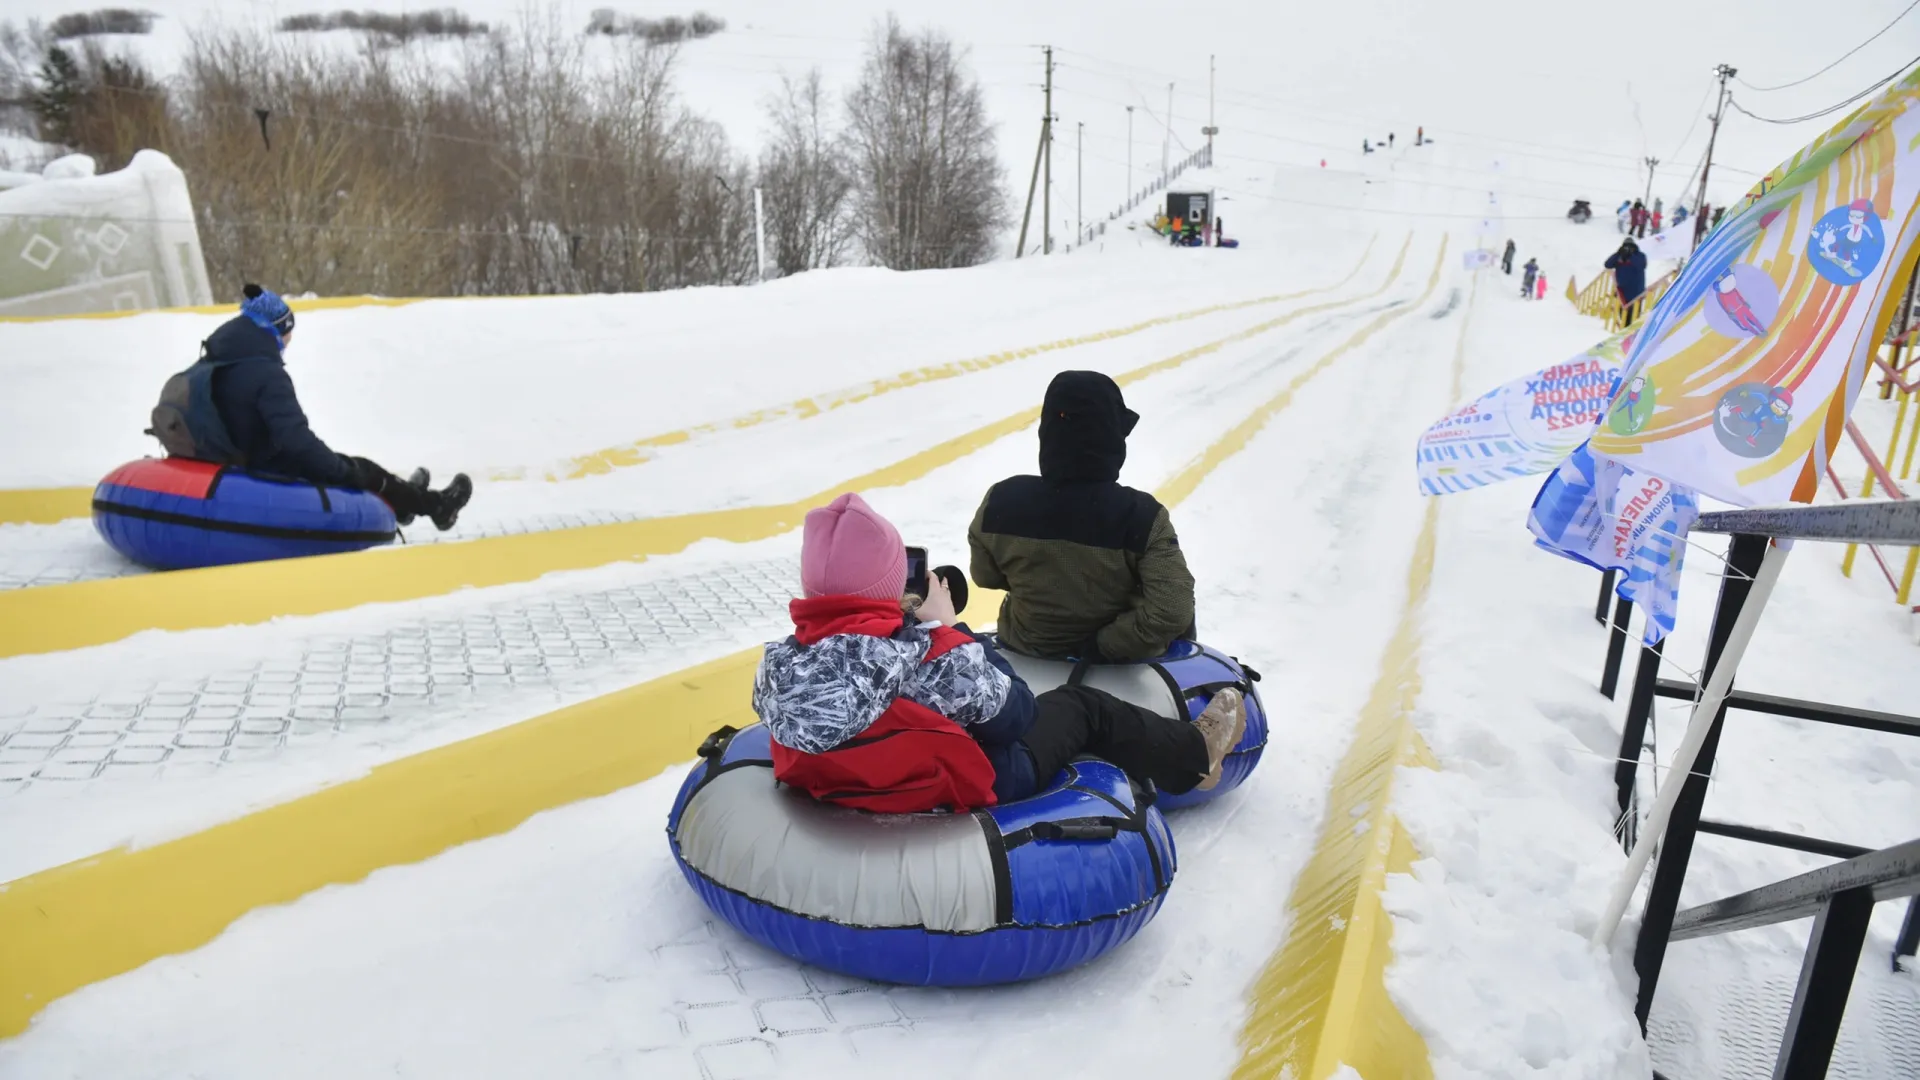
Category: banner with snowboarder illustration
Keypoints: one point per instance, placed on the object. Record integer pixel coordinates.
(1522, 428)
(1742, 377)
(1610, 517)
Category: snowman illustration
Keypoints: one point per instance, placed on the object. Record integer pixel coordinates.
(1842, 246)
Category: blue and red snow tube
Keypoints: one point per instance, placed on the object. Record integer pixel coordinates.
(999, 895)
(176, 514)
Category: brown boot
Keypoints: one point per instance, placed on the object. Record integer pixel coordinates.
(1222, 724)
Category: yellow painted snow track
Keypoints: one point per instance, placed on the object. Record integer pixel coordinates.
(53, 618)
(641, 450)
(44, 506)
(36, 506)
(1321, 1001)
(73, 925)
(318, 303)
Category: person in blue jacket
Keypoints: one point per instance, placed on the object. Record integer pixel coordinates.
(268, 431)
(1629, 266)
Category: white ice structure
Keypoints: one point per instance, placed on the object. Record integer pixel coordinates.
(74, 242)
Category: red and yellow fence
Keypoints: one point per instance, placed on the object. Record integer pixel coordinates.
(1899, 382)
(1601, 299)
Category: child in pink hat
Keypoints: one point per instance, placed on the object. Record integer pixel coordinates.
(865, 700)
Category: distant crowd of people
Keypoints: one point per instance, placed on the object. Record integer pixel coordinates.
(1368, 146)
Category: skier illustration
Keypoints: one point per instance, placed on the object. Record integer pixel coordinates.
(1506, 260)
(1753, 420)
(1727, 292)
(1528, 273)
(1841, 247)
(1626, 417)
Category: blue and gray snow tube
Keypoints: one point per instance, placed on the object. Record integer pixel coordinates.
(176, 514)
(1177, 685)
(999, 895)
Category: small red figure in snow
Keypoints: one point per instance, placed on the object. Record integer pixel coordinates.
(1727, 292)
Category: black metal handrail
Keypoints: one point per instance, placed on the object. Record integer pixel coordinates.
(1862, 521)
(1840, 897)
(1888, 874)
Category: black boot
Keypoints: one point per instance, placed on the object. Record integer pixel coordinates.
(419, 480)
(452, 499)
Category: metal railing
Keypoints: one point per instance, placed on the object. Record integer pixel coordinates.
(1893, 386)
(1841, 897)
(1601, 299)
(1200, 158)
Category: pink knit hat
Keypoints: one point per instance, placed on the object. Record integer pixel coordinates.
(846, 549)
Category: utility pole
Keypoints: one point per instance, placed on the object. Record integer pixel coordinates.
(1211, 130)
(1079, 179)
(1129, 153)
(1039, 152)
(1166, 144)
(1719, 110)
(1652, 164)
(1046, 187)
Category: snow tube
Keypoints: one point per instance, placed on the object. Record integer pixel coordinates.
(999, 895)
(176, 513)
(1179, 685)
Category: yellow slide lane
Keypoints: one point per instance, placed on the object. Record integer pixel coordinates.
(64, 928)
(44, 506)
(58, 617)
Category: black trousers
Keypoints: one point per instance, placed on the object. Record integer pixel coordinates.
(1075, 720)
(402, 496)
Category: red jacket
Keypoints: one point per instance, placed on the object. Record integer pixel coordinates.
(909, 759)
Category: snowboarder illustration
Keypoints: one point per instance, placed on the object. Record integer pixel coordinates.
(1753, 418)
(1631, 411)
(1842, 246)
(1727, 292)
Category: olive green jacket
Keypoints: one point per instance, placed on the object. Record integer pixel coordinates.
(1118, 583)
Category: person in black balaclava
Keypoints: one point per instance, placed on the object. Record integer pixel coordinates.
(1092, 569)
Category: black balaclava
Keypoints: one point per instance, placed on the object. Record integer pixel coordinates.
(1083, 428)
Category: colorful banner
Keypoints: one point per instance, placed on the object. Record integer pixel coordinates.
(1603, 514)
(1742, 378)
(1522, 428)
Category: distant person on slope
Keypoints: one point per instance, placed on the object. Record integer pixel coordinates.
(1629, 266)
(259, 426)
(1540, 287)
(1529, 272)
(1506, 260)
(1092, 569)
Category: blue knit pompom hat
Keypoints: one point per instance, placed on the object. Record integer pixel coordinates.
(267, 310)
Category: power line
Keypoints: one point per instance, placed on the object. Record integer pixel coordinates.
(1765, 89)
(1836, 107)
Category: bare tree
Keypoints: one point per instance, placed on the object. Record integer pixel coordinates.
(803, 174)
(926, 175)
